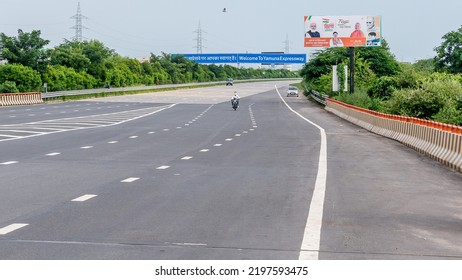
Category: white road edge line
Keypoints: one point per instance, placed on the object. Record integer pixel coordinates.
(84, 197)
(10, 228)
(312, 236)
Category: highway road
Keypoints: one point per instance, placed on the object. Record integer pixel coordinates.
(179, 175)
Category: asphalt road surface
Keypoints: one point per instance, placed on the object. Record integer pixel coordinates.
(181, 175)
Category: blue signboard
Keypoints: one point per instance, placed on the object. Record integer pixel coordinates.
(264, 58)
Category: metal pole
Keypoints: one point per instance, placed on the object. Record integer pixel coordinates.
(352, 69)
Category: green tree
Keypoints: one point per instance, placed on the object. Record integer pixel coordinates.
(449, 53)
(425, 65)
(377, 59)
(26, 49)
(70, 54)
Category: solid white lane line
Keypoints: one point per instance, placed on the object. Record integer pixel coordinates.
(312, 236)
(8, 162)
(130, 180)
(53, 154)
(163, 167)
(84, 197)
(186, 158)
(10, 228)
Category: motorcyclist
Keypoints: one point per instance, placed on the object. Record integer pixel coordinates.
(235, 97)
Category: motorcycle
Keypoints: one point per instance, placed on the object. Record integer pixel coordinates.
(235, 104)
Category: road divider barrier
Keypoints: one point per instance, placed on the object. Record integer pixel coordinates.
(28, 98)
(442, 142)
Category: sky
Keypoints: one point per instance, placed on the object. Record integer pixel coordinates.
(137, 28)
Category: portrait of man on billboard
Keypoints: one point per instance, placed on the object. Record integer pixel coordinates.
(312, 33)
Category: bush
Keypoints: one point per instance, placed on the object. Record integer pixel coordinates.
(383, 87)
(63, 78)
(438, 97)
(8, 87)
(25, 79)
(361, 99)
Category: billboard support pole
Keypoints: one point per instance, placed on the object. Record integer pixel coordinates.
(352, 69)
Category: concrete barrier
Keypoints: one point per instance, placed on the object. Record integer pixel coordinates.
(28, 98)
(442, 142)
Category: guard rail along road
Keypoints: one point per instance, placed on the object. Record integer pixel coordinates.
(10, 99)
(442, 142)
(28, 98)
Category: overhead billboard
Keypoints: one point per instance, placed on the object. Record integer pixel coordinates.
(264, 58)
(342, 31)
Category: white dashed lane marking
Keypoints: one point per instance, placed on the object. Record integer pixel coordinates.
(8, 162)
(130, 180)
(186, 158)
(10, 228)
(163, 167)
(86, 147)
(84, 197)
(53, 154)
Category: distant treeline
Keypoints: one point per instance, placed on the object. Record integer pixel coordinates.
(73, 65)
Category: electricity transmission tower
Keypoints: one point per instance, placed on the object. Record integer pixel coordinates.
(287, 45)
(78, 24)
(199, 38)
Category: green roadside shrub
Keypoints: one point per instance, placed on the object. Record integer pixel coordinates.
(8, 87)
(25, 78)
(59, 78)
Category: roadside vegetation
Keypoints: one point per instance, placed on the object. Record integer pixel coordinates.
(26, 64)
(429, 89)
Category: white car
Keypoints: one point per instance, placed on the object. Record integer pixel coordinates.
(292, 91)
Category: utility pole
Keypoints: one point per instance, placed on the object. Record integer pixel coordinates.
(199, 38)
(78, 24)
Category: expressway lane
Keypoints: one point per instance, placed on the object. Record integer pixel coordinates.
(200, 181)
(153, 182)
